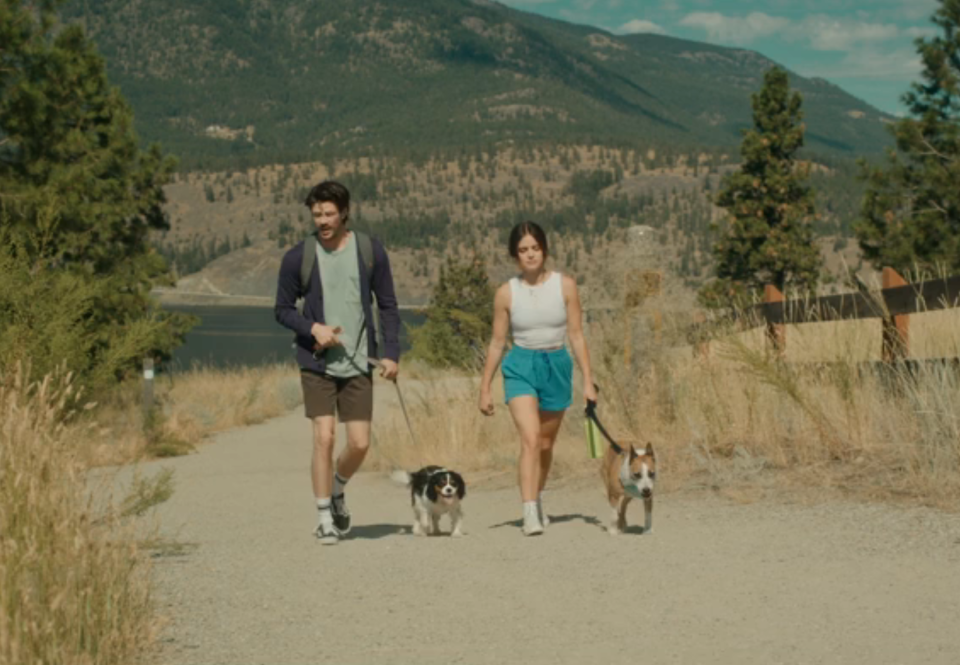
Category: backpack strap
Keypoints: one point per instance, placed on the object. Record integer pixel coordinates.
(366, 252)
(365, 244)
(306, 267)
(309, 258)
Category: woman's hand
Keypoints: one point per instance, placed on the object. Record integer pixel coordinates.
(590, 392)
(486, 403)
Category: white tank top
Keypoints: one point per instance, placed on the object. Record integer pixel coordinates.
(538, 314)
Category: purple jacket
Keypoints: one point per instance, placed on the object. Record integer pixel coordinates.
(289, 289)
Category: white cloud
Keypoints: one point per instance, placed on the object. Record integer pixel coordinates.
(915, 10)
(640, 25)
(897, 65)
(735, 29)
(820, 31)
(922, 32)
(827, 33)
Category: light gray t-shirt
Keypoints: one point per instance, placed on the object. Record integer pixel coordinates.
(342, 306)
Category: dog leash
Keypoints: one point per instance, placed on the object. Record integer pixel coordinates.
(376, 363)
(403, 406)
(591, 413)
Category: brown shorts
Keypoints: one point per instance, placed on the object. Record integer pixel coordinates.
(351, 399)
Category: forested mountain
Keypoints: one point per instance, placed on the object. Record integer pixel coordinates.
(234, 83)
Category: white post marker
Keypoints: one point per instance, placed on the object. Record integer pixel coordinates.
(147, 389)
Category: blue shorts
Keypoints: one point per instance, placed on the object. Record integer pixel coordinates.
(547, 375)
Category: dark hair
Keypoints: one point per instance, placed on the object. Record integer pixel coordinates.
(332, 191)
(523, 229)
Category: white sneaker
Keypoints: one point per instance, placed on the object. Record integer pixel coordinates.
(532, 525)
(326, 533)
(544, 520)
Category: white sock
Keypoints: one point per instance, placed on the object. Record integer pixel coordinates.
(323, 506)
(530, 510)
(339, 484)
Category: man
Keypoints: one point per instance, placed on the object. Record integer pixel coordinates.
(336, 342)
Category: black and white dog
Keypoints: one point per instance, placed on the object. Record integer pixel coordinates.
(434, 491)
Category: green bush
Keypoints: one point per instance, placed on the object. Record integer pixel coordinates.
(47, 322)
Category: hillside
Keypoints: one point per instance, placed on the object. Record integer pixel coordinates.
(223, 83)
(586, 197)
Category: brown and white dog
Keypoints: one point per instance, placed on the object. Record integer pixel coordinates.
(629, 475)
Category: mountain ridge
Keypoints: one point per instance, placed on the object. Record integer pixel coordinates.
(245, 82)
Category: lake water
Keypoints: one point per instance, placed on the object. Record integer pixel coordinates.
(245, 336)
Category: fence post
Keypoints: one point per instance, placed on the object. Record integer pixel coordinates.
(896, 329)
(147, 389)
(776, 332)
(701, 345)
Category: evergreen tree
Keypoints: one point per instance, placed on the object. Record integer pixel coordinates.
(769, 236)
(910, 216)
(76, 192)
(459, 317)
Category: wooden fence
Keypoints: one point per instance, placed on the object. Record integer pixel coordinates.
(894, 304)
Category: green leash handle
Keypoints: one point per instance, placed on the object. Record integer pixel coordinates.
(593, 421)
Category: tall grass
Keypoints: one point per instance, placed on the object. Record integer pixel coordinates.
(73, 588)
(739, 416)
(189, 407)
(449, 430)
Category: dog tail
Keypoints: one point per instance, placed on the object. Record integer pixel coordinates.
(400, 477)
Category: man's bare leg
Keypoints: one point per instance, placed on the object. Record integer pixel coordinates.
(358, 443)
(321, 474)
(324, 437)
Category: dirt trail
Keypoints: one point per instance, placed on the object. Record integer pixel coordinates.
(715, 582)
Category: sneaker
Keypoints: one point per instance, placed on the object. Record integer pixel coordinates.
(544, 520)
(326, 533)
(341, 516)
(532, 525)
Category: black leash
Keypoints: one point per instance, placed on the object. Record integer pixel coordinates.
(591, 413)
(403, 407)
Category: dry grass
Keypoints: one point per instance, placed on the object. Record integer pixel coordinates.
(739, 421)
(189, 407)
(451, 431)
(73, 585)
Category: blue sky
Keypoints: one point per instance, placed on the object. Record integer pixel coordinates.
(864, 46)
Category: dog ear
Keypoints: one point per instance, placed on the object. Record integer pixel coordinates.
(650, 449)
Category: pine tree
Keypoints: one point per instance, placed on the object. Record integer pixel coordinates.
(76, 192)
(459, 317)
(910, 216)
(769, 237)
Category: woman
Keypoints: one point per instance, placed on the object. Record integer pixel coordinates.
(542, 308)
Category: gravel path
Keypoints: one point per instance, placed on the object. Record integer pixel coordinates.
(715, 582)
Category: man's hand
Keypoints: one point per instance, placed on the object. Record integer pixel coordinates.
(325, 336)
(388, 369)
